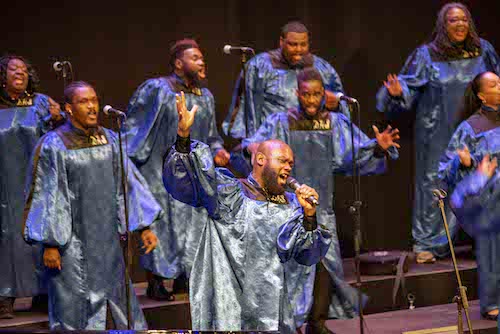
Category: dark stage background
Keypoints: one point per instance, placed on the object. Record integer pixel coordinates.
(118, 45)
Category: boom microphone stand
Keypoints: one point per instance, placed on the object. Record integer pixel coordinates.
(125, 238)
(355, 211)
(461, 298)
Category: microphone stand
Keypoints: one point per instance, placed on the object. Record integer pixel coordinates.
(355, 211)
(461, 297)
(242, 91)
(125, 238)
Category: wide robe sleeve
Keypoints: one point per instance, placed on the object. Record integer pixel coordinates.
(413, 78)
(369, 156)
(475, 202)
(145, 109)
(451, 170)
(295, 242)
(143, 209)
(242, 109)
(490, 56)
(47, 214)
(45, 121)
(214, 139)
(332, 82)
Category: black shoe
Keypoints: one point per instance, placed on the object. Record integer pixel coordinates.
(157, 291)
(317, 328)
(40, 303)
(489, 316)
(7, 308)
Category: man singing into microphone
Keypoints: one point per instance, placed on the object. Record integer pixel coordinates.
(321, 141)
(271, 81)
(75, 209)
(255, 232)
(152, 124)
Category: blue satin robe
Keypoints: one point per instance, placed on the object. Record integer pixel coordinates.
(452, 173)
(151, 130)
(240, 275)
(20, 129)
(319, 154)
(435, 89)
(270, 89)
(75, 203)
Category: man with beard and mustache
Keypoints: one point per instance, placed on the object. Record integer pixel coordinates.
(322, 144)
(271, 82)
(254, 235)
(75, 210)
(152, 127)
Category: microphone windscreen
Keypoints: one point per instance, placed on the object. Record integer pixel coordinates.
(227, 49)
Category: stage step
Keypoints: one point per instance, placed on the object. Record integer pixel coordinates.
(439, 318)
(431, 284)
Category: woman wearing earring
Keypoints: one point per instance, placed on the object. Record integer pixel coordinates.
(24, 116)
(433, 81)
(476, 137)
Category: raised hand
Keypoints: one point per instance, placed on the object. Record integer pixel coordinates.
(331, 100)
(55, 110)
(303, 192)
(387, 138)
(487, 166)
(149, 240)
(52, 258)
(186, 117)
(393, 85)
(222, 158)
(464, 155)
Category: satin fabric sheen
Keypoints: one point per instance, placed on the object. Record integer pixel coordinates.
(435, 89)
(75, 203)
(151, 130)
(270, 89)
(477, 219)
(20, 129)
(319, 155)
(240, 275)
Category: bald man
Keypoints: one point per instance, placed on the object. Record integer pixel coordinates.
(254, 240)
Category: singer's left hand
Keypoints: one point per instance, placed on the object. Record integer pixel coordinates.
(55, 110)
(387, 138)
(331, 100)
(149, 240)
(303, 192)
(221, 158)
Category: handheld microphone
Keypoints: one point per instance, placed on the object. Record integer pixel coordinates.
(228, 49)
(346, 98)
(294, 184)
(110, 111)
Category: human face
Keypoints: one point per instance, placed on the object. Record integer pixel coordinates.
(294, 46)
(457, 25)
(192, 64)
(278, 167)
(310, 94)
(17, 78)
(84, 108)
(489, 90)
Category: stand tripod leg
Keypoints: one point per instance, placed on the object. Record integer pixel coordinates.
(461, 299)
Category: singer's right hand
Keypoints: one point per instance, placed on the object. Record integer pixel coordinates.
(487, 166)
(393, 85)
(464, 155)
(52, 258)
(186, 117)
(303, 192)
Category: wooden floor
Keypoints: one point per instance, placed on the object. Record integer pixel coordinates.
(434, 286)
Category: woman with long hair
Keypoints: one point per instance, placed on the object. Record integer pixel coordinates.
(432, 82)
(25, 115)
(476, 137)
